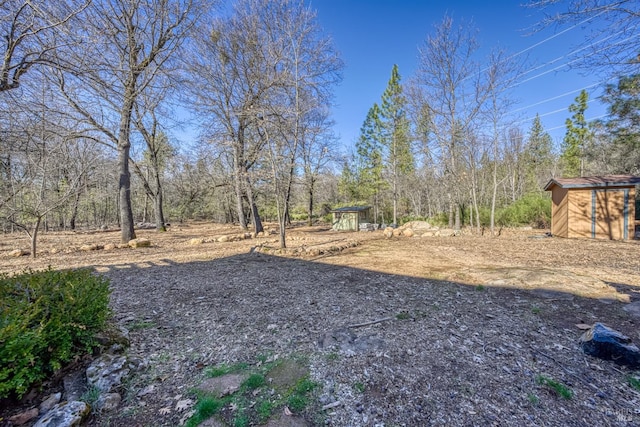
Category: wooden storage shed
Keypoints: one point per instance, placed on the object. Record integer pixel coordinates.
(597, 207)
(350, 218)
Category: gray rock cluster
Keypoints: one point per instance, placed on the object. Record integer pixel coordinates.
(104, 376)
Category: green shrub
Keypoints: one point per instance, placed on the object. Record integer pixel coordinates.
(532, 209)
(46, 318)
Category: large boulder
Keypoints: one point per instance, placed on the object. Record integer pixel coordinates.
(605, 343)
(140, 242)
(66, 414)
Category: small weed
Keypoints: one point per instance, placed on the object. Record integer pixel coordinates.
(403, 315)
(218, 371)
(332, 356)
(207, 407)
(634, 382)
(304, 386)
(254, 381)
(480, 288)
(536, 310)
(297, 402)
(359, 387)
(557, 387)
(533, 399)
(91, 396)
(264, 409)
(140, 324)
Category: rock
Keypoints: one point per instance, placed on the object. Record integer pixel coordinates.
(212, 422)
(633, 309)
(196, 241)
(92, 247)
(224, 385)
(66, 414)
(388, 232)
(397, 232)
(51, 401)
(74, 385)
(429, 233)
(109, 247)
(447, 232)
(285, 420)
(407, 232)
(54, 251)
(139, 243)
(107, 372)
(418, 227)
(18, 253)
(111, 335)
(24, 417)
(223, 239)
(605, 343)
(108, 401)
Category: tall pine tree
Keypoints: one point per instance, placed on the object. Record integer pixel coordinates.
(398, 158)
(538, 157)
(576, 138)
(369, 159)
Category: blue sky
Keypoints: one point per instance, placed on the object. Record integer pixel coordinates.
(372, 35)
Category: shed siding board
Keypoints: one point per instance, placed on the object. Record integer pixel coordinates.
(580, 213)
(560, 213)
(613, 213)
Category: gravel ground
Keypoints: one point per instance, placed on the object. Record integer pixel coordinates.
(400, 332)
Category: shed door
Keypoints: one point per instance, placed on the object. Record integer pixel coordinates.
(610, 214)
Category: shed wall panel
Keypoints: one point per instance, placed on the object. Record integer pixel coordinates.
(579, 219)
(559, 213)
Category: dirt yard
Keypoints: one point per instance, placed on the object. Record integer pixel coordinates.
(398, 332)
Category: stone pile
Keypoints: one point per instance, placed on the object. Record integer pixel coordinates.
(419, 229)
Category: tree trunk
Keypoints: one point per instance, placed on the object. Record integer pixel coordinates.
(34, 237)
(255, 216)
(74, 213)
(124, 191)
(310, 210)
(237, 186)
(159, 212)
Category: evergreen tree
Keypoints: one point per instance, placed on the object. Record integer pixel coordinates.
(369, 159)
(398, 158)
(576, 138)
(538, 157)
(621, 132)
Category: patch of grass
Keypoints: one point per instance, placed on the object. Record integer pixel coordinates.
(265, 410)
(557, 387)
(297, 402)
(403, 316)
(254, 381)
(140, 324)
(480, 288)
(634, 382)
(332, 356)
(359, 387)
(536, 310)
(218, 371)
(533, 399)
(253, 404)
(91, 396)
(206, 407)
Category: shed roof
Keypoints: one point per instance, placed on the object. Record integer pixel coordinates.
(352, 209)
(601, 181)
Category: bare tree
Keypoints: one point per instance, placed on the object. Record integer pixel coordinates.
(612, 44)
(32, 30)
(125, 46)
(454, 89)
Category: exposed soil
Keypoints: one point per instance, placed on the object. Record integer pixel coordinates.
(405, 331)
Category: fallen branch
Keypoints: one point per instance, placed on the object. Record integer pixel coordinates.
(331, 405)
(359, 325)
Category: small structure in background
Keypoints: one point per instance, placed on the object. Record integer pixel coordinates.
(352, 218)
(597, 207)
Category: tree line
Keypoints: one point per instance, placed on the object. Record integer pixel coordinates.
(91, 92)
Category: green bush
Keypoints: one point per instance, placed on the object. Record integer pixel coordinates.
(46, 318)
(532, 209)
